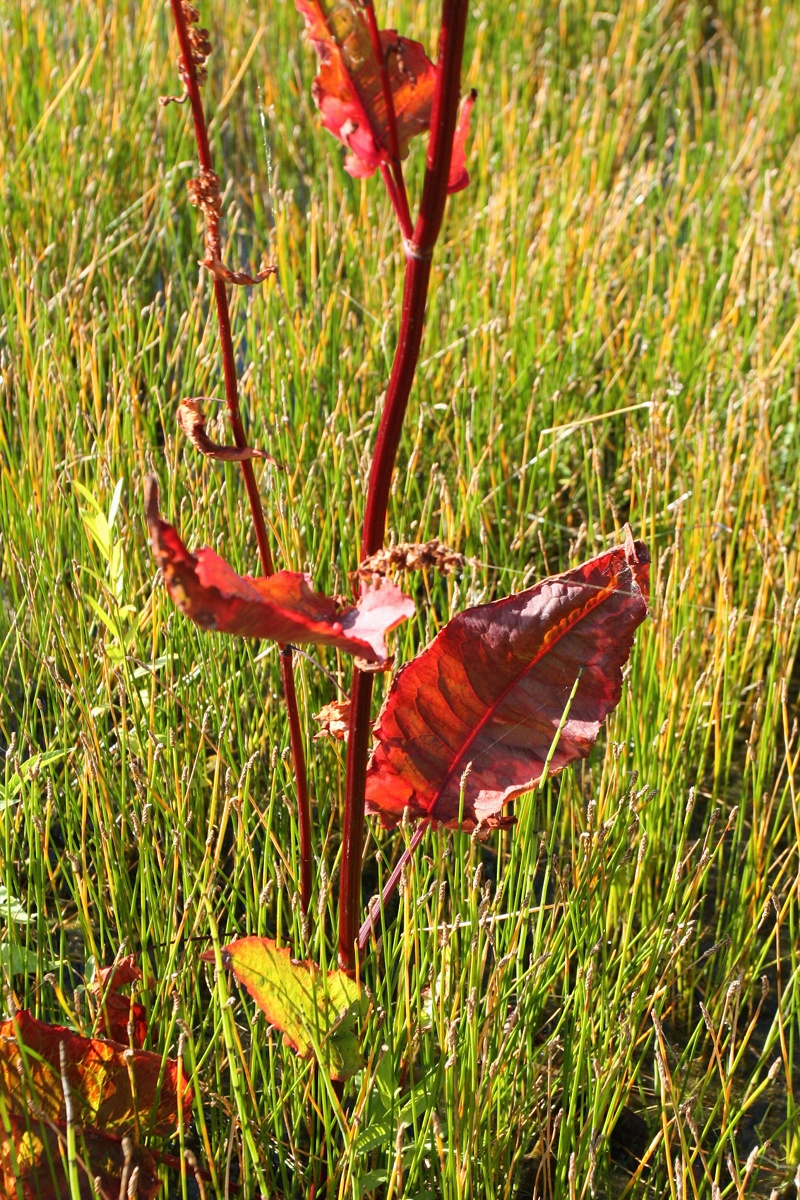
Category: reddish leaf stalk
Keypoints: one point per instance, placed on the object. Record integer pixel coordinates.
(189, 76)
(391, 189)
(399, 196)
(390, 886)
(419, 251)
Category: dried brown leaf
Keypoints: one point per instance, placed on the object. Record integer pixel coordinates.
(334, 720)
(193, 423)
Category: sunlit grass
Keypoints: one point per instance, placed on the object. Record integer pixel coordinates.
(605, 1001)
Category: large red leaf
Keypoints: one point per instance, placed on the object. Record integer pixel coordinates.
(490, 692)
(348, 89)
(282, 607)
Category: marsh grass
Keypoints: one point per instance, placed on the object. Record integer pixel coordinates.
(604, 1002)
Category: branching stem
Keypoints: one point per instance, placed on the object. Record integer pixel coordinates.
(189, 76)
(390, 886)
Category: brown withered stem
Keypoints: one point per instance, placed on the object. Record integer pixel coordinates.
(419, 252)
(194, 48)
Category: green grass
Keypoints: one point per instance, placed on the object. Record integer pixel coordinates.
(606, 1001)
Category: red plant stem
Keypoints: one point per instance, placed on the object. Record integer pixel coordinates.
(189, 76)
(419, 251)
(391, 188)
(389, 887)
(401, 203)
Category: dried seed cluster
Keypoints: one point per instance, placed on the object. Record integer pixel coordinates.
(204, 194)
(412, 556)
(200, 41)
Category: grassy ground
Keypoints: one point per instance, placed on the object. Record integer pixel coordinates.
(606, 1001)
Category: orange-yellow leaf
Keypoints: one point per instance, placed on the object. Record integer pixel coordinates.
(33, 1163)
(101, 1077)
(111, 1093)
(310, 1009)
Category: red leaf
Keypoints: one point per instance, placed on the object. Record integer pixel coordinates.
(32, 1156)
(118, 1012)
(282, 607)
(459, 177)
(101, 1076)
(115, 1093)
(492, 688)
(348, 88)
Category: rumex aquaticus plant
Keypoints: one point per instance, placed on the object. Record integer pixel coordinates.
(507, 693)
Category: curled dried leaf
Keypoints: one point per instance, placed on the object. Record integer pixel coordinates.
(368, 667)
(165, 100)
(217, 268)
(193, 424)
(334, 720)
(412, 556)
(204, 193)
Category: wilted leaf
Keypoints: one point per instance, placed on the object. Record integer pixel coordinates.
(100, 1074)
(334, 720)
(300, 1001)
(114, 1091)
(282, 607)
(33, 1158)
(118, 1012)
(193, 424)
(216, 267)
(491, 689)
(459, 176)
(348, 88)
